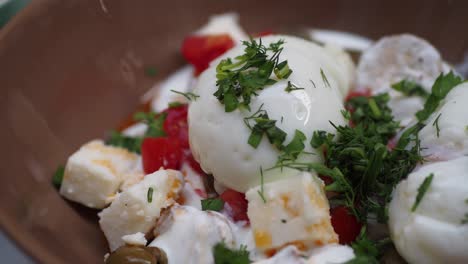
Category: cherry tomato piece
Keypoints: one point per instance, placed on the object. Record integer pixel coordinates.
(356, 93)
(161, 152)
(201, 50)
(176, 125)
(345, 224)
(237, 203)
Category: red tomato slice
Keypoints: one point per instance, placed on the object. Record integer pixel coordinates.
(193, 163)
(201, 50)
(345, 224)
(238, 204)
(176, 125)
(161, 152)
(356, 93)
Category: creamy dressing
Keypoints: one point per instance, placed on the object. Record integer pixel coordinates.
(188, 235)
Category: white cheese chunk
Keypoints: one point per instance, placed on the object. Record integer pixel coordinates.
(434, 232)
(137, 239)
(133, 211)
(187, 235)
(94, 173)
(445, 135)
(296, 212)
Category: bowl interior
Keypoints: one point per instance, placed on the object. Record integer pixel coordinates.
(70, 70)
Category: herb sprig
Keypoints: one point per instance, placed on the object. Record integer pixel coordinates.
(422, 191)
(241, 79)
(442, 86)
(224, 255)
(212, 204)
(410, 88)
(154, 124)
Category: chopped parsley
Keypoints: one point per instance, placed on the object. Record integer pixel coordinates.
(358, 160)
(293, 149)
(155, 129)
(422, 189)
(224, 255)
(313, 83)
(436, 124)
(261, 192)
(410, 88)
(264, 125)
(324, 78)
(189, 95)
(366, 250)
(118, 139)
(58, 176)
(291, 87)
(149, 195)
(241, 79)
(154, 121)
(212, 204)
(464, 221)
(442, 86)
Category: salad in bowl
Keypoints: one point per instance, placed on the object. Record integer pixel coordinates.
(271, 148)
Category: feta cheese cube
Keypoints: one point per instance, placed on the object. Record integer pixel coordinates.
(296, 212)
(187, 235)
(94, 173)
(137, 208)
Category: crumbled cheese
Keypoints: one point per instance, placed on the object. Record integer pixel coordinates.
(132, 212)
(94, 173)
(296, 212)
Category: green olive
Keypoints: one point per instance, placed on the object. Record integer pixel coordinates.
(137, 255)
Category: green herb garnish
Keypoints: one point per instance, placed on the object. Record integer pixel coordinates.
(149, 195)
(324, 78)
(291, 87)
(58, 176)
(422, 191)
(261, 192)
(155, 129)
(366, 250)
(224, 255)
(212, 204)
(264, 125)
(118, 139)
(240, 80)
(436, 124)
(293, 149)
(410, 88)
(189, 95)
(154, 121)
(442, 86)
